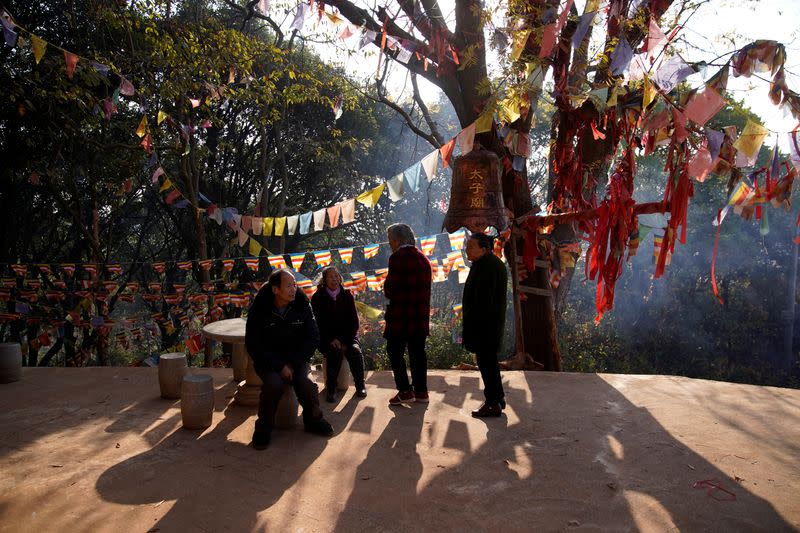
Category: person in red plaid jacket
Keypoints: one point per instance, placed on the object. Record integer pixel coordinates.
(408, 289)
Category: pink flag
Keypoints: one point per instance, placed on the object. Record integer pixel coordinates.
(333, 215)
(157, 174)
(700, 165)
(466, 139)
(71, 60)
(704, 105)
(548, 40)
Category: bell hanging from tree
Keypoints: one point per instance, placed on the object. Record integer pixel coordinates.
(476, 194)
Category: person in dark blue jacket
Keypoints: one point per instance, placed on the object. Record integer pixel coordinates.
(281, 337)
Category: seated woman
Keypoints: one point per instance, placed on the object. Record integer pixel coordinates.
(335, 311)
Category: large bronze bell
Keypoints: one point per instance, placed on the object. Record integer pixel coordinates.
(476, 195)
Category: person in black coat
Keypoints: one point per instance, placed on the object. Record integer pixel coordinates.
(484, 316)
(281, 336)
(337, 318)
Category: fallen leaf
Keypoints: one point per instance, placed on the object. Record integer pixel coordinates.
(56, 466)
(117, 446)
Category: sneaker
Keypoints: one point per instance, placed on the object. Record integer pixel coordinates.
(421, 397)
(319, 427)
(401, 398)
(261, 440)
(361, 391)
(488, 410)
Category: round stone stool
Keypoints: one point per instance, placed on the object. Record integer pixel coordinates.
(171, 369)
(286, 416)
(197, 401)
(344, 379)
(10, 362)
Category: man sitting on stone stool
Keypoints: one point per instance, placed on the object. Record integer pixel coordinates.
(281, 337)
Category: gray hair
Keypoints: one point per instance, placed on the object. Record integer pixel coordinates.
(402, 233)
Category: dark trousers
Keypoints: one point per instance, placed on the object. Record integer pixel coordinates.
(352, 352)
(417, 359)
(271, 391)
(490, 372)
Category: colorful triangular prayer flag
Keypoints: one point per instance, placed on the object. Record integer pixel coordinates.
(428, 244)
(371, 250)
(346, 255)
(322, 257)
(457, 239)
(297, 259)
(276, 261)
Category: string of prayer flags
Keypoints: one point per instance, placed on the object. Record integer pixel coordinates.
(297, 259)
(370, 198)
(457, 239)
(323, 258)
(346, 255)
(428, 244)
(371, 250)
(276, 261)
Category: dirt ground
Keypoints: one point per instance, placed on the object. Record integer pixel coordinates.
(97, 449)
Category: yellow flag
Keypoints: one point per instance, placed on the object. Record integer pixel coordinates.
(161, 117)
(370, 198)
(484, 122)
(142, 129)
(166, 185)
(38, 44)
(649, 93)
(509, 109)
(268, 223)
(255, 248)
(518, 45)
(749, 142)
(369, 312)
(280, 225)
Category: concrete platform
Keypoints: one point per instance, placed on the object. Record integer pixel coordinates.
(96, 450)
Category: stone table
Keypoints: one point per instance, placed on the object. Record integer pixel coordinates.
(232, 331)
